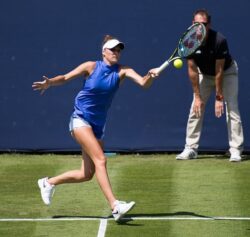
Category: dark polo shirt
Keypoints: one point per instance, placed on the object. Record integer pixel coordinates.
(215, 47)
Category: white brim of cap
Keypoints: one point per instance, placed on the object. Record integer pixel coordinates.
(110, 44)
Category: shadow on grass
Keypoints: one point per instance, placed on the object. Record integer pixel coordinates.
(246, 158)
(220, 157)
(130, 217)
(83, 217)
(180, 213)
(215, 157)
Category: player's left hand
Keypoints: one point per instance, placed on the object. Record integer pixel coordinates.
(219, 108)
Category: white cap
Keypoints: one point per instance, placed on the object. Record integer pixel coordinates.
(110, 44)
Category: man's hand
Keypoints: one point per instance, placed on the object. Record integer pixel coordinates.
(198, 106)
(219, 108)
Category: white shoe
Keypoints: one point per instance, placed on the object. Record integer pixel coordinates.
(47, 190)
(121, 208)
(187, 154)
(235, 157)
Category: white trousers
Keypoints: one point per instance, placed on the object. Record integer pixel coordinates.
(234, 125)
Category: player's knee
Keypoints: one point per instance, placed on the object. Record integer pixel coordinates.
(100, 161)
(83, 175)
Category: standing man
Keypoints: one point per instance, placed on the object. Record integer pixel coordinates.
(212, 68)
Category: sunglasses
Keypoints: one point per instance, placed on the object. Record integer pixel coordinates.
(204, 23)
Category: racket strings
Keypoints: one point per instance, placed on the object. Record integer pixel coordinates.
(191, 40)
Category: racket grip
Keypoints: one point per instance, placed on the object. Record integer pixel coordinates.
(163, 66)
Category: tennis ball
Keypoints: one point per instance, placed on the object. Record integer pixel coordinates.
(178, 63)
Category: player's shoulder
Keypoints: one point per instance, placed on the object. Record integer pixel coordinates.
(87, 67)
(90, 63)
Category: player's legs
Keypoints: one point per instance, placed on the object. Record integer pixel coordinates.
(86, 138)
(94, 161)
(234, 124)
(83, 174)
(87, 168)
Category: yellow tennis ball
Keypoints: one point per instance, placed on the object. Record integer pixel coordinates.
(178, 63)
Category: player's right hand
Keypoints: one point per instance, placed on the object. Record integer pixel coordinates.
(41, 85)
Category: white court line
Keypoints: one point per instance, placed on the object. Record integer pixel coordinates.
(50, 219)
(102, 228)
(125, 218)
(190, 218)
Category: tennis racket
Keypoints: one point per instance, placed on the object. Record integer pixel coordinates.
(190, 41)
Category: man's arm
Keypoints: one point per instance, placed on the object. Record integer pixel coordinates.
(194, 77)
(193, 74)
(219, 69)
(219, 105)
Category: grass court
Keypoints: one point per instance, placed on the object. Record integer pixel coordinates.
(205, 197)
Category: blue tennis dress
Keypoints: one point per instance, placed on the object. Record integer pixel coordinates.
(94, 100)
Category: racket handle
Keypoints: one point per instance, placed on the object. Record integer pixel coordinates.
(163, 66)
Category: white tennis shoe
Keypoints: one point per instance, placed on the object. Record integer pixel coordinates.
(121, 208)
(235, 157)
(187, 154)
(47, 190)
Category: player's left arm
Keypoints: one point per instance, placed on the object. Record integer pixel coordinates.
(144, 81)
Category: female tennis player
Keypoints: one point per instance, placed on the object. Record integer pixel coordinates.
(87, 123)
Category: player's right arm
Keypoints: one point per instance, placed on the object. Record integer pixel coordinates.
(85, 69)
(193, 74)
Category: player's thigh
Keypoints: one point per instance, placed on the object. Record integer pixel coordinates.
(87, 162)
(87, 140)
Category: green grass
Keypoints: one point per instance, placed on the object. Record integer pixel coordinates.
(53, 229)
(182, 228)
(160, 185)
